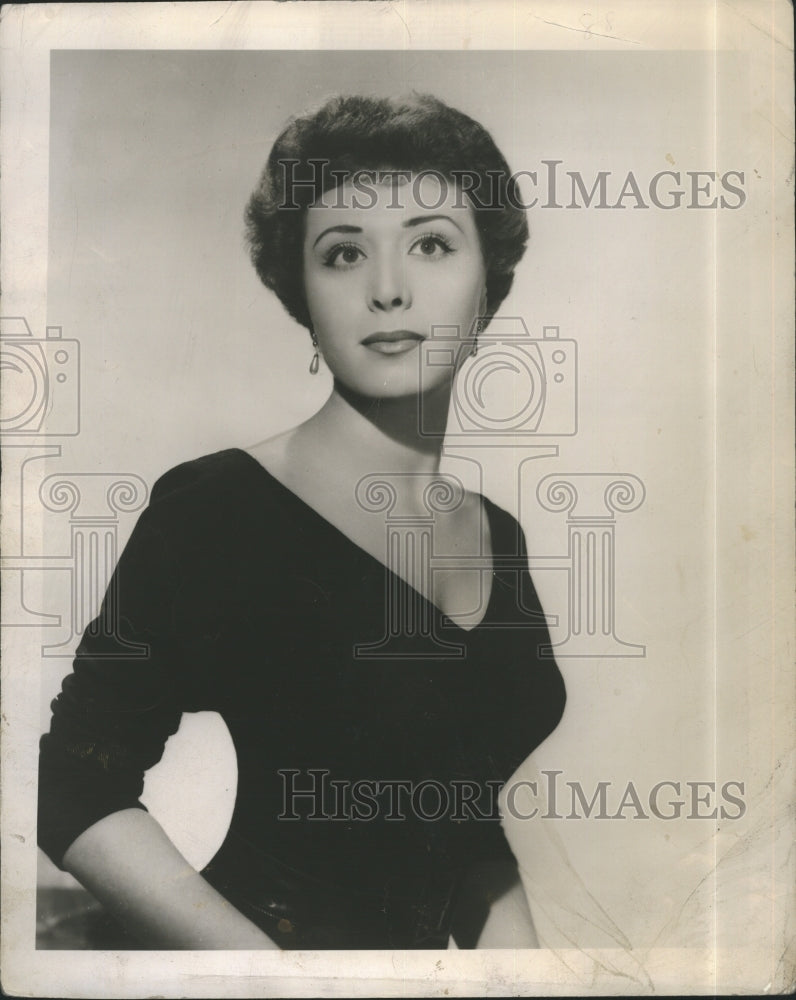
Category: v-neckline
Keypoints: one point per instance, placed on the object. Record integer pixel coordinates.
(487, 506)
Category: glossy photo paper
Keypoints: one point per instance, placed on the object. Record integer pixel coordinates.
(629, 406)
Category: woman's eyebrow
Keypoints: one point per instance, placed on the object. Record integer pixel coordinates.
(421, 220)
(337, 229)
(418, 220)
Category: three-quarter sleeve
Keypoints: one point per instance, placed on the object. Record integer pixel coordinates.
(121, 702)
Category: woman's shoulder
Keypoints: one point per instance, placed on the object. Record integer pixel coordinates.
(508, 537)
(219, 472)
(222, 495)
(218, 506)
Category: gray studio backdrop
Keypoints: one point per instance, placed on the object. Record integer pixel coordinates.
(183, 352)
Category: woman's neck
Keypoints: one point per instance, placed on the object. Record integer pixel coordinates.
(361, 435)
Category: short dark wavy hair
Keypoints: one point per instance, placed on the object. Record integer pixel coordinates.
(350, 134)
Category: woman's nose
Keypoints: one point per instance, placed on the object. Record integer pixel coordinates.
(389, 288)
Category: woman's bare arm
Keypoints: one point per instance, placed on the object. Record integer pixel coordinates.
(509, 924)
(493, 910)
(129, 864)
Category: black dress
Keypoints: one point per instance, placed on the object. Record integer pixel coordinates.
(367, 773)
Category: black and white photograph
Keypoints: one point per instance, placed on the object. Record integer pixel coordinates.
(397, 458)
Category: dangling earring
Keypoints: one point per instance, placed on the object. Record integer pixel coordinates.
(316, 358)
(479, 326)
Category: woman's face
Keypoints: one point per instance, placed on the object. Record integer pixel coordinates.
(382, 269)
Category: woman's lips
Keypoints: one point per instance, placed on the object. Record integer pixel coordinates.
(392, 341)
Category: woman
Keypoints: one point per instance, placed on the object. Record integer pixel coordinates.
(353, 683)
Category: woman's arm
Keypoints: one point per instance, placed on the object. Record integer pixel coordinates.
(492, 911)
(130, 865)
(509, 924)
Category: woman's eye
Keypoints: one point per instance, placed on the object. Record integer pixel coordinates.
(431, 246)
(343, 255)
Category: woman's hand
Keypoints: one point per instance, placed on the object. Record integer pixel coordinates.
(130, 865)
